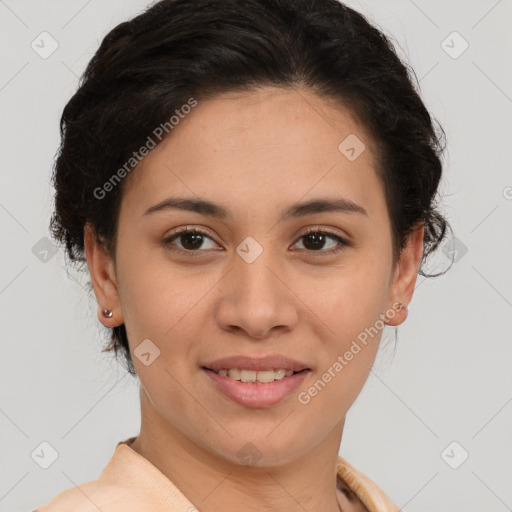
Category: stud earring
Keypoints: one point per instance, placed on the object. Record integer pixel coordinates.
(107, 313)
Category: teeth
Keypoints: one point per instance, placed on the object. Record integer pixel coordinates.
(247, 376)
(263, 376)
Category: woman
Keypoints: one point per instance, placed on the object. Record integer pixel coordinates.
(251, 185)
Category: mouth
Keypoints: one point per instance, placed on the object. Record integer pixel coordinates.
(256, 389)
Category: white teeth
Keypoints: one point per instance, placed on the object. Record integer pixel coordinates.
(266, 376)
(234, 374)
(281, 374)
(247, 375)
(263, 376)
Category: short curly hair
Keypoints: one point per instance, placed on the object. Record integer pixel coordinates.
(149, 66)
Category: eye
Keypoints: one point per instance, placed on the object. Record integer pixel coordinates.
(191, 239)
(315, 241)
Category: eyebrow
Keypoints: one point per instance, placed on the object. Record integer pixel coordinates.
(297, 210)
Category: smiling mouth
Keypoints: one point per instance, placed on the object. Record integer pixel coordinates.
(255, 377)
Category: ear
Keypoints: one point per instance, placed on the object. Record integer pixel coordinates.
(404, 279)
(103, 277)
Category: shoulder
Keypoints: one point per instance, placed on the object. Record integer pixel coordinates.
(107, 493)
(88, 497)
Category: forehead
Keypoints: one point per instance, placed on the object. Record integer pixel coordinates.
(261, 147)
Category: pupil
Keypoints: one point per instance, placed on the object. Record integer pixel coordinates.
(196, 243)
(318, 238)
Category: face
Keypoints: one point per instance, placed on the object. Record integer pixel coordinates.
(253, 282)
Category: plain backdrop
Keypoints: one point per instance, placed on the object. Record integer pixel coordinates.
(433, 424)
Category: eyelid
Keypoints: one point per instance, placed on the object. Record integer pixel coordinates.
(192, 228)
(326, 230)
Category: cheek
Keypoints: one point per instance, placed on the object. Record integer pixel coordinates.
(153, 293)
(347, 322)
(347, 333)
(351, 296)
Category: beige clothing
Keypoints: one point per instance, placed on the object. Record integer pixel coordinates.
(130, 482)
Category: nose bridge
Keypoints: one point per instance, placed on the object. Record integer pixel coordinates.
(255, 282)
(258, 299)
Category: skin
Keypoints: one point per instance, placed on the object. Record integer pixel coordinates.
(255, 154)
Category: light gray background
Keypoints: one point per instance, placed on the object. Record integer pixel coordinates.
(450, 378)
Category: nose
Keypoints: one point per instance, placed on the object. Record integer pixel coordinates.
(256, 298)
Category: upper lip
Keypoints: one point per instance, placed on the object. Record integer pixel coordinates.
(272, 362)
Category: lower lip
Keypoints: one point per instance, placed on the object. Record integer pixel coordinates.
(257, 395)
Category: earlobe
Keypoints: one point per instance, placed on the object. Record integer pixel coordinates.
(396, 314)
(404, 281)
(103, 277)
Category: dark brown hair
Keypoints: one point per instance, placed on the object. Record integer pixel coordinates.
(147, 68)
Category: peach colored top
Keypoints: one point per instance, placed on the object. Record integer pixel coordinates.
(131, 482)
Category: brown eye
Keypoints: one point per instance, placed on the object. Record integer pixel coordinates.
(191, 240)
(317, 240)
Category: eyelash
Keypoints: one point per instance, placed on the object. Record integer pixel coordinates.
(343, 243)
